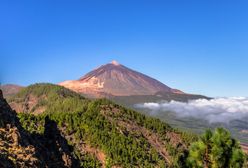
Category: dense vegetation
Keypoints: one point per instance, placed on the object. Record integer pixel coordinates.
(93, 128)
(54, 98)
(124, 137)
(215, 150)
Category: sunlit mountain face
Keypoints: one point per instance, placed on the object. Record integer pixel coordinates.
(114, 79)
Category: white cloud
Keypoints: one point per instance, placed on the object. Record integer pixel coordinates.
(214, 110)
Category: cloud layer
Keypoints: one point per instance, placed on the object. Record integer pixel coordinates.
(215, 110)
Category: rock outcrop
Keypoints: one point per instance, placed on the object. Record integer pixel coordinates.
(19, 148)
(15, 147)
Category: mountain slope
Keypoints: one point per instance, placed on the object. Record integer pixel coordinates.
(10, 89)
(117, 80)
(20, 148)
(101, 132)
(15, 148)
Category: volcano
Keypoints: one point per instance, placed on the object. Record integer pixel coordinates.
(114, 79)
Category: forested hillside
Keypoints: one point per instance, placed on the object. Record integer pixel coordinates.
(99, 132)
(102, 132)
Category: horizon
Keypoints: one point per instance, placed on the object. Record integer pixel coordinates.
(183, 45)
(117, 63)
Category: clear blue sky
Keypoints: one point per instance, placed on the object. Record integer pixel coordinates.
(198, 46)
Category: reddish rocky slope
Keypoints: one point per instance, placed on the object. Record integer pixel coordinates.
(117, 80)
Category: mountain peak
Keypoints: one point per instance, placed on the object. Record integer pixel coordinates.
(117, 80)
(114, 62)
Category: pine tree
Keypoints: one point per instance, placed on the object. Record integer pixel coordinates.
(216, 150)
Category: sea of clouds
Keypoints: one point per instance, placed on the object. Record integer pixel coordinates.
(214, 110)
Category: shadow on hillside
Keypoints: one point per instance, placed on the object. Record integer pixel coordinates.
(53, 149)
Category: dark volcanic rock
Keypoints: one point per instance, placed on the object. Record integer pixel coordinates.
(1, 94)
(15, 146)
(18, 148)
(7, 115)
